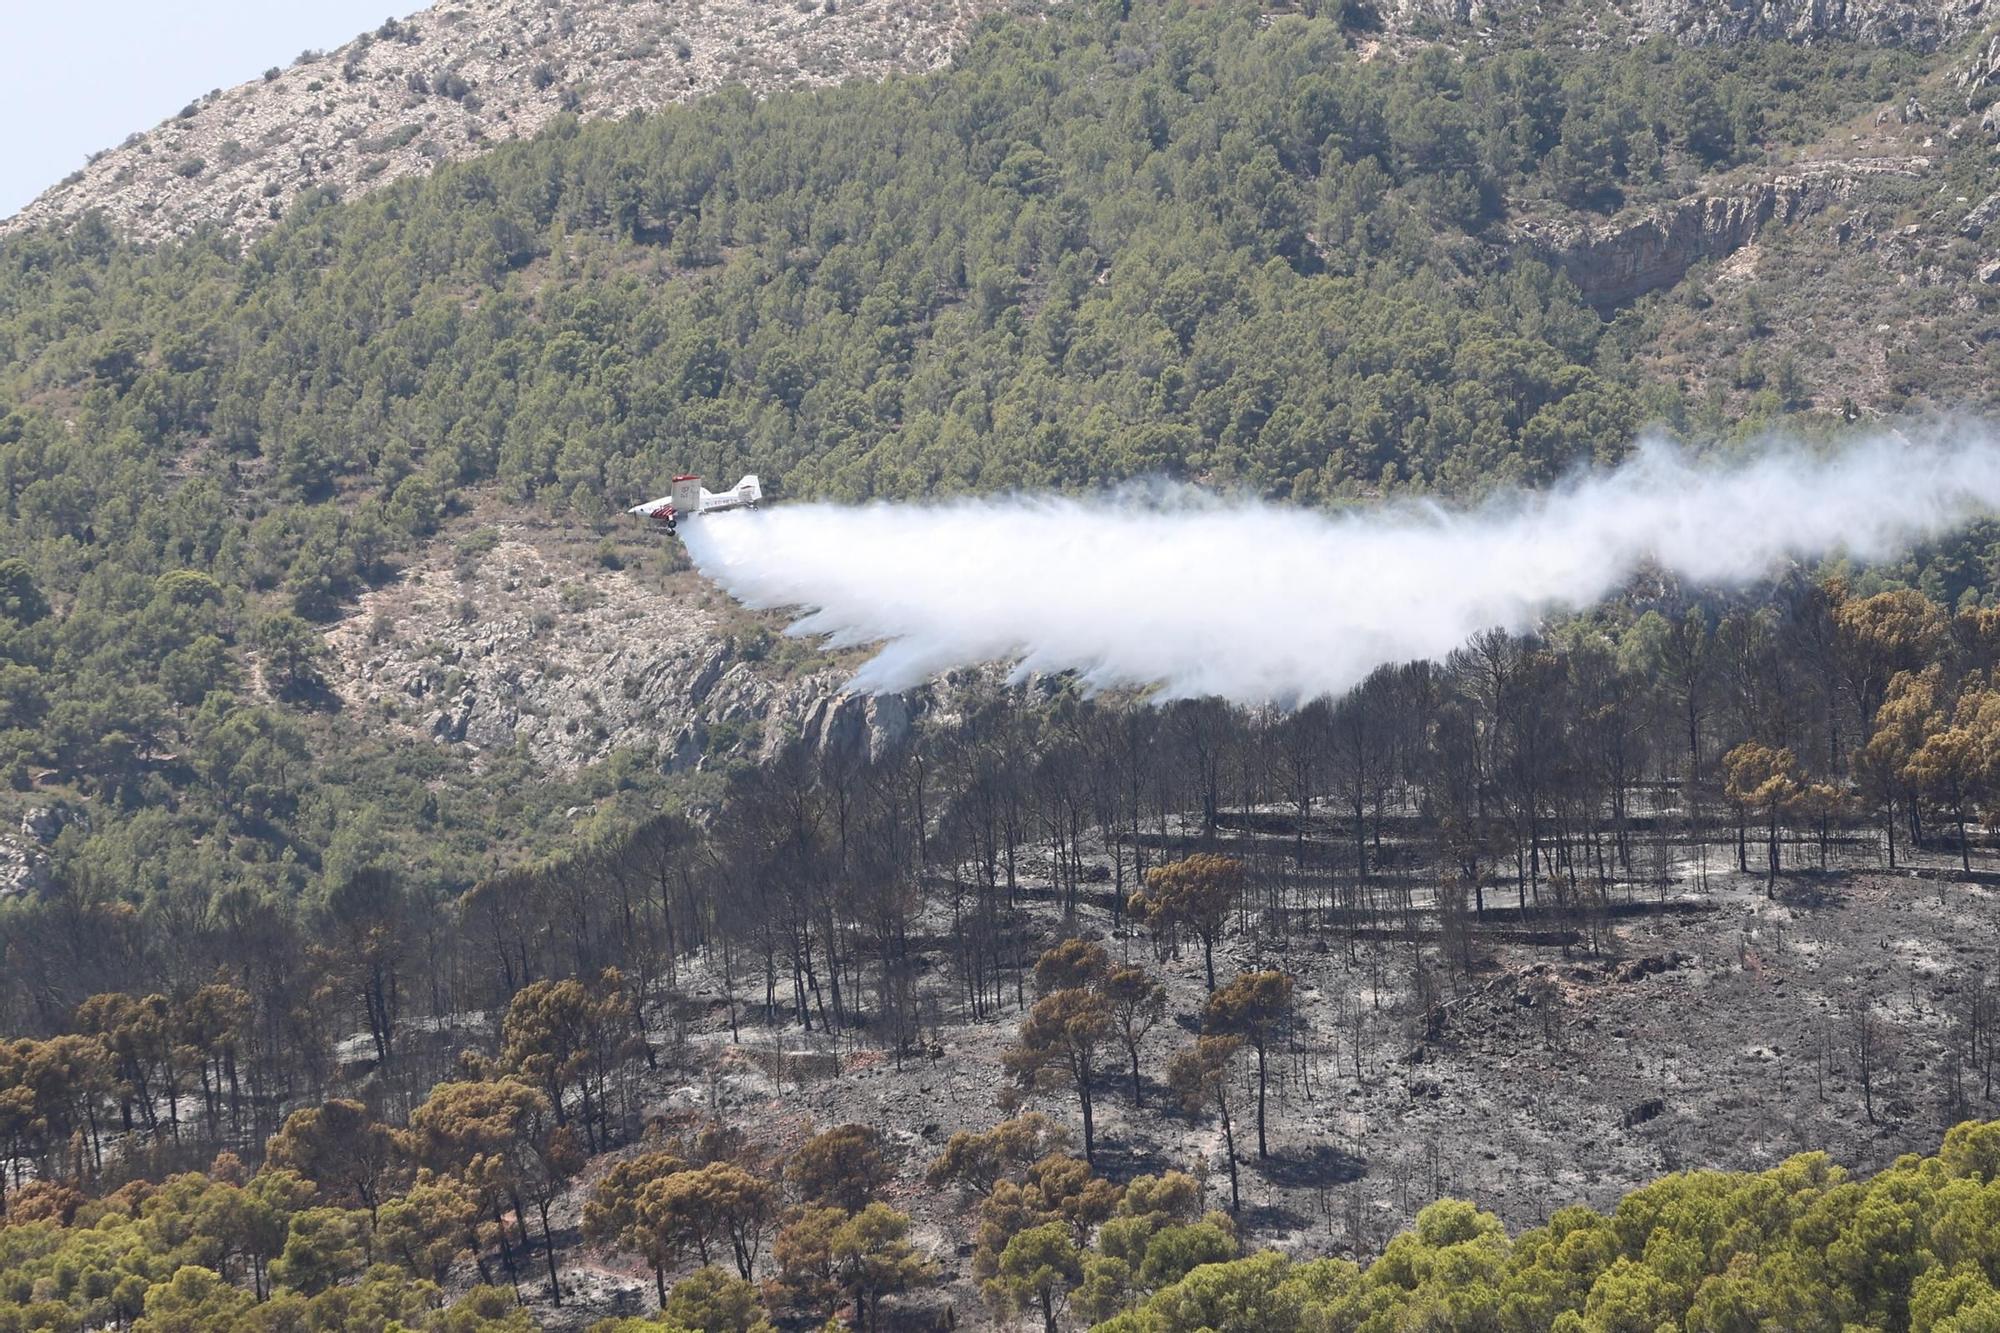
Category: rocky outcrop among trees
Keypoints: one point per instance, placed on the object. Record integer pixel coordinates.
(1921, 26)
(1619, 260)
(521, 651)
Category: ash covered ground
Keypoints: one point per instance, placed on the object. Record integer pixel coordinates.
(1701, 1024)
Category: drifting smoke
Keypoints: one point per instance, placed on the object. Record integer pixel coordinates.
(1260, 603)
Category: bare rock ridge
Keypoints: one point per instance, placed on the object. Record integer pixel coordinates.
(454, 79)
(1618, 261)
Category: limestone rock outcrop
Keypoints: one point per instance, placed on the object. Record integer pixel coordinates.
(523, 651)
(1620, 259)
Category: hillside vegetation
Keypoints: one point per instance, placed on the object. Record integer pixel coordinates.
(1199, 242)
(339, 996)
(1801, 1247)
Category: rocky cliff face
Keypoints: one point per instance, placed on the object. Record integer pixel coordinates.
(523, 650)
(1977, 75)
(1620, 260)
(1922, 25)
(462, 75)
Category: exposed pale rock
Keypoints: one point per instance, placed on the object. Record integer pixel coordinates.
(571, 663)
(1981, 216)
(1922, 26)
(1617, 260)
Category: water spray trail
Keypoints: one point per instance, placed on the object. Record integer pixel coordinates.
(1255, 602)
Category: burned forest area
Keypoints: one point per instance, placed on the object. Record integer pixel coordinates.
(1146, 985)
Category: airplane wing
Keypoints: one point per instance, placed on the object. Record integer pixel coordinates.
(651, 507)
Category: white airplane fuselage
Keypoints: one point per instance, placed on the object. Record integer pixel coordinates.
(689, 499)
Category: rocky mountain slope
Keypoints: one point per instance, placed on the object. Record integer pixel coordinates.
(1830, 263)
(454, 79)
(1615, 261)
(1922, 25)
(525, 645)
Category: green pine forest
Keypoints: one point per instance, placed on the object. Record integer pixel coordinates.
(1801, 1246)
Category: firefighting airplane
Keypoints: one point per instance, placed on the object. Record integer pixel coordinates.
(689, 500)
